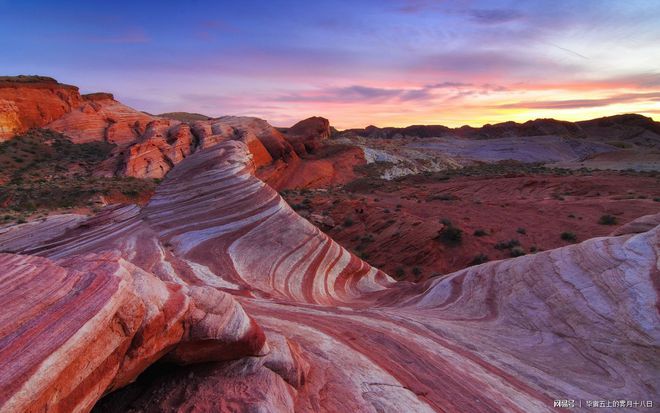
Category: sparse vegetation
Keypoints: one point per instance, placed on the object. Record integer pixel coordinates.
(348, 222)
(44, 170)
(568, 236)
(479, 259)
(450, 235)
(608, 220)
(517, 251)
(522, 231)
(479, 233)
(504, 245)
(442, 197)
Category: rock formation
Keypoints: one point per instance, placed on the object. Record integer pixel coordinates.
(307, 135)
(216, 257)
(93, 322)
(31, 102)
(100, 117)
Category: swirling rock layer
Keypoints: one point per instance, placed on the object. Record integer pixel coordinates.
(578, 322)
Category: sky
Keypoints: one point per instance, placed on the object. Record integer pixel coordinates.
(356, 62)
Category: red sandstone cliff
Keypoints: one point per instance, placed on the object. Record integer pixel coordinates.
(33, 101)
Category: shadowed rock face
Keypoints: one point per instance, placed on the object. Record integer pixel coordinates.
(577, 322)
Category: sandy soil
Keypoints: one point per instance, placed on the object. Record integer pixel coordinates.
(395, 225)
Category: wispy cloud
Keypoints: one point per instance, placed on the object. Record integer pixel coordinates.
(366, 94)
(586, 103)
(494, 16)
(128, 36)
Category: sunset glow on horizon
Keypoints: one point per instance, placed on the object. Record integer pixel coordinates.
(387, 63)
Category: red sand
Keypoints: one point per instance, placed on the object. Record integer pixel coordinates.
(543, 206)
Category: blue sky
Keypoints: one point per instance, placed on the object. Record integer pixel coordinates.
(388, 62)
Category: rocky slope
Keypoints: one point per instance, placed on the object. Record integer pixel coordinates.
(147, 146)
(578, 322)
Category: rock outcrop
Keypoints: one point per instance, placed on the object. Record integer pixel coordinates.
(76, 328)
(307, 135)
(573, 323)
(101, 118)
(33, 101)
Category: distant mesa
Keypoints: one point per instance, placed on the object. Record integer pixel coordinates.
(618, 126)
(184, 116)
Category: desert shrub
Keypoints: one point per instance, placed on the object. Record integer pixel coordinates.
(446, 221)
(399, 272)
(504, 245)
(568, 236)
(131, 193)
(479, 259)
(607, 220)
(367, 238)
(442, 197)
(450, 235)
(521, 231)
(416, 271)
(479, 233)
(517, 251)
(348, 222)
(533, 248)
